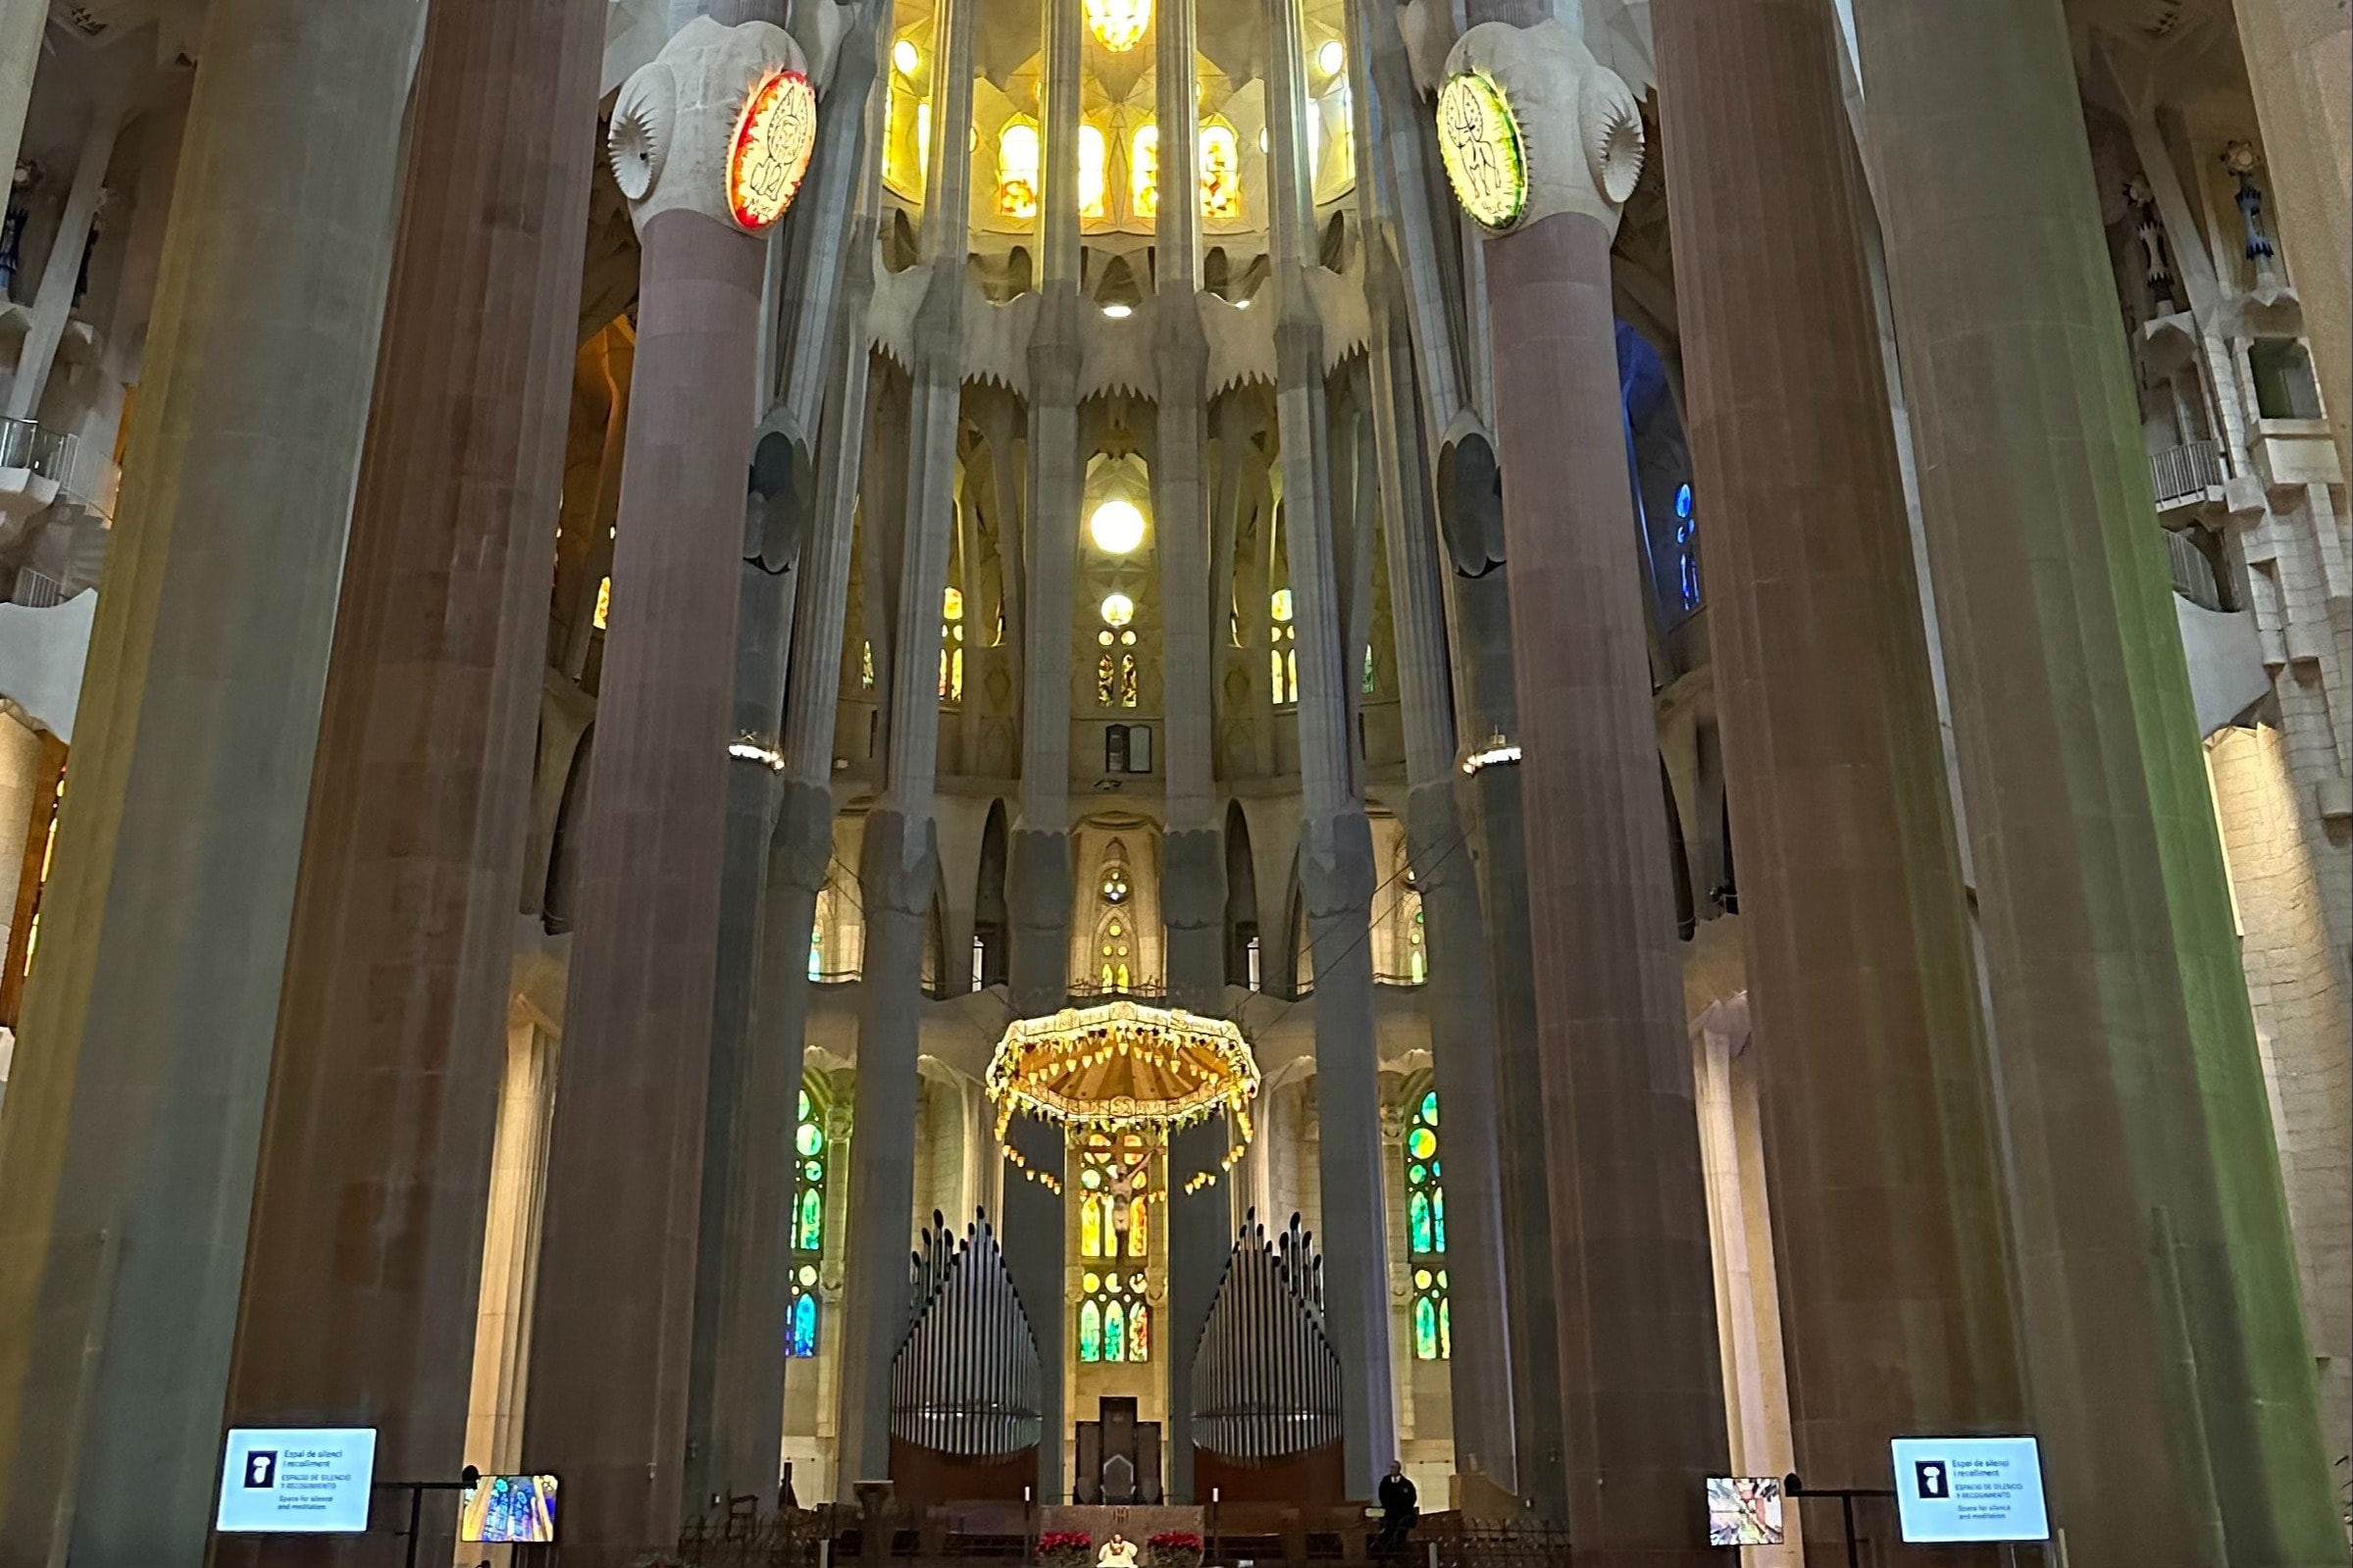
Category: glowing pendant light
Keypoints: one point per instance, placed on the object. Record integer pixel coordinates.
(1118, 24)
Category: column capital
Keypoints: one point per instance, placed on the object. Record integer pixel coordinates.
(1536, 97)
(677, 116)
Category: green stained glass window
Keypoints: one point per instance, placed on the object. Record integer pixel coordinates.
(815, 1151)
(1425, 1234)
(1090, 1331)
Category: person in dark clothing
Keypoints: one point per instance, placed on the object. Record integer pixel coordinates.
(1399, 1508)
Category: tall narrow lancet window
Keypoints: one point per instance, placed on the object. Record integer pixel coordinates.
(1115, 1199)
(1143, 172)
(1220, 172)
(814, 1154)
(951, 646)
(1094, 173)
(1019, 157)
(1282, 656)
(1116, 683)
(1425, 1234)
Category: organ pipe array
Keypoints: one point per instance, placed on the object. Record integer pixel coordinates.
(966, 1380)
(1267, 1380)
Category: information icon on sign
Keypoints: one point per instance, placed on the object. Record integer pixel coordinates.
(1932, 1478)
(261, 1468)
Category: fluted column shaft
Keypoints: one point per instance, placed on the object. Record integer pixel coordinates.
(1039, 872)
(1890, 1251)
(1462, 1012)
(2178, 1414)
(899, 862)
(365, 1246)
(135, 1104)
(735, 1407)
(1193, 891)
(1336, 865)
(2299, 56)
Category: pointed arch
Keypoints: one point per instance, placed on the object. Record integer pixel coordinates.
(558, 901)
(1686, 910)
(991, 919)
(1245, 961)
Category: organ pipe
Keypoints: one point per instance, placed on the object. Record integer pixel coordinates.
(1265, 1379)
(966, 1380)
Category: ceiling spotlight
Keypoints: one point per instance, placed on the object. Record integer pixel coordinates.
(1331, 57)
(1119, 313)
(1116, 528)
(905, 57)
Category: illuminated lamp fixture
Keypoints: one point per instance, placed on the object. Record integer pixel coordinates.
(769, 152)
(1118, 312)
(1116, 528)
(1495, 751)
(1331, 57)
(905, 57)
(1126, 1068)
(1118, 24)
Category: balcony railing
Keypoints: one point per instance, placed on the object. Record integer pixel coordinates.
(2185, 473)
(26, 445)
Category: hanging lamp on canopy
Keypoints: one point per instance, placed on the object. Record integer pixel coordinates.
(1125, 1067)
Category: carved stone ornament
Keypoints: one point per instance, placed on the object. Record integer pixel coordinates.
(679, 116)
(1538, 93)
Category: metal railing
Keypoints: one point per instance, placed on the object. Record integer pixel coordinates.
(26, 444)
(2185, 473)
(2193, 572)
(39, 589)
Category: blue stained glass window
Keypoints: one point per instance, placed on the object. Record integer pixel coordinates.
(804, 1326)
(815, 1156)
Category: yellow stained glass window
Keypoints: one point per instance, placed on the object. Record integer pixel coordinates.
(1019, 156)
(1220, 172)
(1143, 172)
(1095, 177)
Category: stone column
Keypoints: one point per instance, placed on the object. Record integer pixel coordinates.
(899, 862)
(53, 300)
(2179, 1420)
(1193, 852)
(1643, 1418)
(1890, 1247)
(1336, 866)
(2299, 57)
(1477, 601)
(736, 1406)
(126, 1175)
(1038, 872)
(366, 1243)
(1462, 997)
(1201, 1228)
(613, 1318)
(1461, 1006)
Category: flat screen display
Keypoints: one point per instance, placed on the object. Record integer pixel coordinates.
(1951, 1489)
(510, 1509)
(303, 1481)
(1744, 1510)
